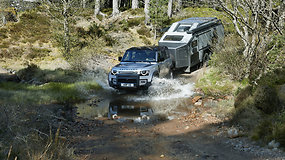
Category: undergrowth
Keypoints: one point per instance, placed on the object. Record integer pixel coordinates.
(216, 83)
(31, 112)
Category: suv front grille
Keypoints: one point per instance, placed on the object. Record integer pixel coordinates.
(127, 80)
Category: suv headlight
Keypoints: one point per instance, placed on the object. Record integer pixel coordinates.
(114, 72)
(144, 72)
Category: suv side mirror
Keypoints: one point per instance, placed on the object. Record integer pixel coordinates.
(120, 59)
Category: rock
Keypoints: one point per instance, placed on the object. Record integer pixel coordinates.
(196, 98)
(233, 133)
(187, 127)
(162, 156)
(199, 103)
(273, 144)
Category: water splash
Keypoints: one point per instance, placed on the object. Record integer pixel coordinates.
(166, 89)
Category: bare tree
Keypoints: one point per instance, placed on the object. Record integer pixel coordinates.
(135, 4)
(83, 3)
(97, 7)
(169, 10)
(146, 11)
(255, 22)
(3, 11)
(179, 5)
(62, 11)
(282, 14)
(115, 8)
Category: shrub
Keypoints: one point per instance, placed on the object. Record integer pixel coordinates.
(34, 73)
(145, 40)
(135, 22)
(137, 11)
(29, 132)
(247, 115)
(38, 53)
(266, 99)
(229, 58)
(243, 95)
(144, 31)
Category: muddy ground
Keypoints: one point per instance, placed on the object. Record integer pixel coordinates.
(158, 124)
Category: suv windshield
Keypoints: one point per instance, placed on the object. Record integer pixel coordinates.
(139, 56)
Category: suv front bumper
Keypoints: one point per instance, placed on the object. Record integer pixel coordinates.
(129, 81)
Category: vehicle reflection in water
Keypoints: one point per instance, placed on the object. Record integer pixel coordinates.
(120, 110)
(129, 110)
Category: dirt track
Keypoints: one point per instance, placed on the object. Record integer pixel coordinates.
(188, 136)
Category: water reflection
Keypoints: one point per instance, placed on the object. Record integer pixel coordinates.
(129, 110)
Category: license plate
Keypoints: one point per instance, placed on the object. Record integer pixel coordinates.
(127, 84)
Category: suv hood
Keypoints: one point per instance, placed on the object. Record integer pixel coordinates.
(132, 66)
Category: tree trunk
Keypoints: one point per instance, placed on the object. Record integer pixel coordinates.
(146, 11)
(97, 7)
(66, 29)
(135, 4)
(282, 15)
(83, 3)
(3, 19)
(115, 7)
(179, 5)
(169, 10)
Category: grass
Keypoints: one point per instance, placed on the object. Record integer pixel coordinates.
(33, 26)
(57, 86)
(52, 92)
(29, 113)
(144, 31)
(33, 72)
(217, 84)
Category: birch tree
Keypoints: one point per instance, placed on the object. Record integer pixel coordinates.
(169, 10)
(146, 11)
(255, 22)
(179, 5)
(135, 4)
(3, 11)
(115, 8)
(158, 14)
(83, 3)
(97, 7)
(62, 11)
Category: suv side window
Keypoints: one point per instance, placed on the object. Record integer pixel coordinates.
(160, 56)
(167, 54)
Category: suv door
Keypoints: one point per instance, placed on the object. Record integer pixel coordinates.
(163, 62)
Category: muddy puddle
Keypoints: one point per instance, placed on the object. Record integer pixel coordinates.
(165, 99)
